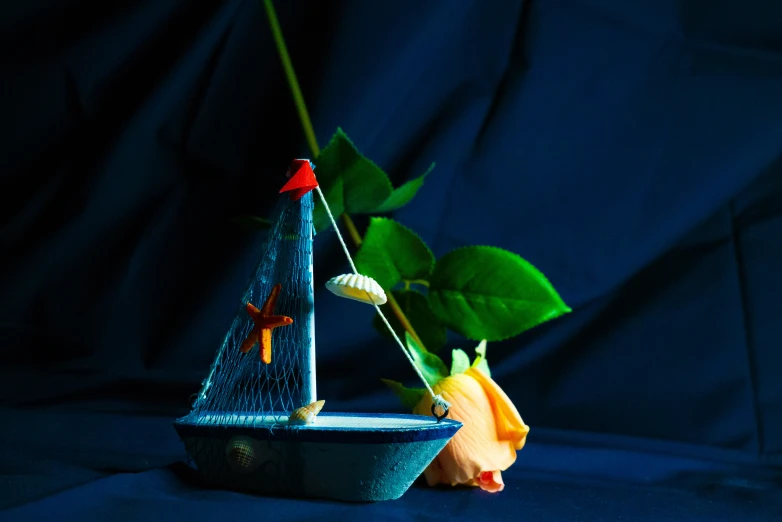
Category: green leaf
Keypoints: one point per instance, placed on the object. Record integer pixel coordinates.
(333, 195)
(410, 396)
(354, 184)
(416, 308)
(392, 252)
(460, 361)
(489, 293)
(480, 360)
(432, 367)
(402, 195)
(364, 185)
(253, 222)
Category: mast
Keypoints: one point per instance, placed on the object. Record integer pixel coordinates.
(301, 181)
(307, 363)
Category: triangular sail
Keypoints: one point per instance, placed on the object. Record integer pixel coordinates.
(240, 388)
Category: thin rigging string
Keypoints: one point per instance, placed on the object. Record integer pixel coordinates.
(437, 399)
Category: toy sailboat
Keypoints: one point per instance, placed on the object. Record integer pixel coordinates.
(256, 425)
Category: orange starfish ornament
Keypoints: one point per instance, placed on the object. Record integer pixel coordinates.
(265, 322)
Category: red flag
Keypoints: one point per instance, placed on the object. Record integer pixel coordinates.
(302, 179)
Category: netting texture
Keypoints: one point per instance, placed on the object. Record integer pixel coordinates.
(241, 383)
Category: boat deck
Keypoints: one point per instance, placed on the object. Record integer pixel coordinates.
(335, 427)
(326, 420)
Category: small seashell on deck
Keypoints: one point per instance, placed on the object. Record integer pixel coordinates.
(306, 414)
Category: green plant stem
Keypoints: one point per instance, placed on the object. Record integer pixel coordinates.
(298, 98)
(312, 142)
(352, 230)
(403, 319)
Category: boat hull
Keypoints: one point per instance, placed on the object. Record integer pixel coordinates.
(348, 457)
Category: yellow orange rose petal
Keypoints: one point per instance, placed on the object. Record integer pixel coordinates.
(434, 473)
(475, 447)
(478, 447)
(465, 458)
(491, 481)
(509, 425)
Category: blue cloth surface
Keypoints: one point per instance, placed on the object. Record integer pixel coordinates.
(632, 151)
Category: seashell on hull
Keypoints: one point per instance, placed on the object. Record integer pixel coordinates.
(243, 454)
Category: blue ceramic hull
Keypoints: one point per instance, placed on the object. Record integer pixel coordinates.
(349, 457)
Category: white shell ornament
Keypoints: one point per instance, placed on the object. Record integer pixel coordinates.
(306, 414)
(357, 287)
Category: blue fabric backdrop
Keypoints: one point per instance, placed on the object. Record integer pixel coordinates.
(630, 150)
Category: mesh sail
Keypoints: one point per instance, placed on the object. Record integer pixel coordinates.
(240, 388)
